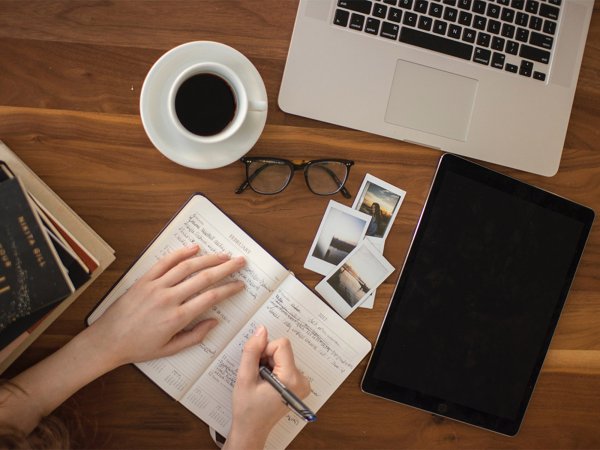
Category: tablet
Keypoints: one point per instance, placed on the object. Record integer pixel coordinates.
(478, 298)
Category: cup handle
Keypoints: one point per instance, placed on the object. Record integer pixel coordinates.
(257, 105)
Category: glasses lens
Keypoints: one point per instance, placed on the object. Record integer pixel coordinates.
(268, 177)
(326, 177)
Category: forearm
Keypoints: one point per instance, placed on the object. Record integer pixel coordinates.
(43, 387)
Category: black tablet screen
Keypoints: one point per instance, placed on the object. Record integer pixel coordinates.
(479, 295)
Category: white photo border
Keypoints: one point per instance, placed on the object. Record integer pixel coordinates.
(378, 243)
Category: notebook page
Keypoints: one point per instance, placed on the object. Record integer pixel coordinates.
(200, 222)
(326, 349)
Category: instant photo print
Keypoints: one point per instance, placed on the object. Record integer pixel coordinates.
(354, 279)
(381, 201)
(341, 230)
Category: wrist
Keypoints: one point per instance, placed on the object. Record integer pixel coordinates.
(247, 439)
(100, 354)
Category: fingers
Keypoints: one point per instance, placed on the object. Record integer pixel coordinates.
(281, 358)
(208, 277)
(186, 338)
(201, 303)
(190, 266)
(169, 261)
(253, 350)
(280, 354)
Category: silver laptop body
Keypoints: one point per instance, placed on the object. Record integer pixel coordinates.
(374, 66)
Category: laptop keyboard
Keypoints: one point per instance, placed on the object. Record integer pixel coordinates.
(511, 35)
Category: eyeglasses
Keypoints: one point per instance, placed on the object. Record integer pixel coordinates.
(272, 175)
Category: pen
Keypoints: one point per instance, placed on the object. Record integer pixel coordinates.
(289, 398)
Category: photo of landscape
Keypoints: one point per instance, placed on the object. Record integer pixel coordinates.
(339, 235)
(357, 276)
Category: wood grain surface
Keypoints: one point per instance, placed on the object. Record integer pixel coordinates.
(70, 79)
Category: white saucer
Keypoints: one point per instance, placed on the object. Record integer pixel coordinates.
(155, 97)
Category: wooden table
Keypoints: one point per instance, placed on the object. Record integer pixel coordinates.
(70, 80)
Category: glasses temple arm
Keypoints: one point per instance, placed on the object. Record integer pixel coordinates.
(242, 187)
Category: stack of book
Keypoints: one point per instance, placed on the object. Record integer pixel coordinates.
(48, 256)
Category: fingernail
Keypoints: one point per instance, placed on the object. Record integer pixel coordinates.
(224, 256)
(240, 259)
(260, 331)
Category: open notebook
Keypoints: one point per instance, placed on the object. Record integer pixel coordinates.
(202, 377)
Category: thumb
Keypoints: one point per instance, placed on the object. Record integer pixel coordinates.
(253, 350)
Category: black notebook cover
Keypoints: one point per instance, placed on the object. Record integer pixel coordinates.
(75, 271)
(30, 275)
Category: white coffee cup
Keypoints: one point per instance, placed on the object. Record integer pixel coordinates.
(234, 133)
(243, 105)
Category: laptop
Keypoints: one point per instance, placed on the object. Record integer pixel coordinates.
(492, 80)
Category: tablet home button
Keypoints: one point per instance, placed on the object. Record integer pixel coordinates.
(442, 408)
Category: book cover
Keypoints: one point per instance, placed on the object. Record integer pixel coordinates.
(61, 238)
(76, 272)
(22, 325)
(31, 276)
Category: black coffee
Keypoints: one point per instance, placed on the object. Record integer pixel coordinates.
(205, 104)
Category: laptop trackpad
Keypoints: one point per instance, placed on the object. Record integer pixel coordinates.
(431, 100)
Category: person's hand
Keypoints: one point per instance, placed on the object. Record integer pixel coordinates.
(148, 321)
(257, 406)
